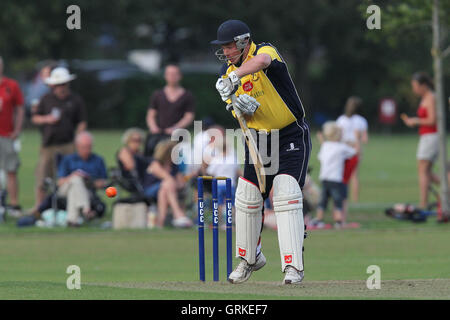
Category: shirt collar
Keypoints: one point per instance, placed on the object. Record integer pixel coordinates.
(250, 54)
(57, 98)
(251, 51)
(77, 157)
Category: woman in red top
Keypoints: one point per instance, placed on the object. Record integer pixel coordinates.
(428, 148)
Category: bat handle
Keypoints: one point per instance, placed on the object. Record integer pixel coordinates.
(236, 110)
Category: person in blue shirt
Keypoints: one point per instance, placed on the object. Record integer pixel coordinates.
(77, 174)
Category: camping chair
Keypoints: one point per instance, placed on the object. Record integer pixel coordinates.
(56, 202)
(129, 181)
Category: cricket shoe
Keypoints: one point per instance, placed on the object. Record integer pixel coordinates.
(244, 270)
(293, 276)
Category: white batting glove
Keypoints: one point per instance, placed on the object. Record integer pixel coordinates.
(246, 104)
(220, 86)
(226, 87)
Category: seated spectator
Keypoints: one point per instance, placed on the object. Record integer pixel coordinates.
(132, 162)
(200, 141)
(332, 156)
(221, 161)
(158, 176)
(77, 173)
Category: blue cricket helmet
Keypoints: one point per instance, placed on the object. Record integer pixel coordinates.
(231, 31)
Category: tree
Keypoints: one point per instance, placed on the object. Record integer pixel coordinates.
(438, 55)
(402, 15)
(323, 42)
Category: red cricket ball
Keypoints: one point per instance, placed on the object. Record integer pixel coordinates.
(111, 192)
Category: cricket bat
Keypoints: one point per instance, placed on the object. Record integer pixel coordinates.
(252, 147)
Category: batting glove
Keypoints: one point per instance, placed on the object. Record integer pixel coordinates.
(226, 87)
(246, 104)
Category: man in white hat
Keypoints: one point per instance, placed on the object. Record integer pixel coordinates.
(60, 115)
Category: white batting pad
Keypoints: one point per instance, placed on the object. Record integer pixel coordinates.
(288, 207)
(248, 206)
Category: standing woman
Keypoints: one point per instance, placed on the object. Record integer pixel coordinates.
(355, 134)
(428, 148)
(171, 108)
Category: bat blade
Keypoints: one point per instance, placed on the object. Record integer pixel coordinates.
(252, 148)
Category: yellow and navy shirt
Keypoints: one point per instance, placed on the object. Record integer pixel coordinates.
(272, 88)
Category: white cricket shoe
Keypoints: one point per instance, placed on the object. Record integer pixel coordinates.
(244, 270)
(293, 276)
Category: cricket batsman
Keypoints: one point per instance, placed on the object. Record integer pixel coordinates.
(265, 94)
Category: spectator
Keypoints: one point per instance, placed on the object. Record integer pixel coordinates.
(428, 148)
(168, 182)
(133, 163)
(38, 87)
(159, 176)
(11, 119)
(200, 141)
(332, 156)
(77, 173)
(354, 133)
(60, 115)
(171, 108)
(221, 161)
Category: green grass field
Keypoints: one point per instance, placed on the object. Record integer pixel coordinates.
(162, 264)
